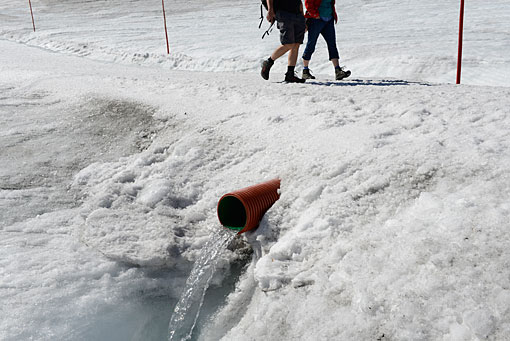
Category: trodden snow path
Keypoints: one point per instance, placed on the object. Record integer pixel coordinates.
(412, 40)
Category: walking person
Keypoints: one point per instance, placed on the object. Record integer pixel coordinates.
(321, 19)
(290, 21)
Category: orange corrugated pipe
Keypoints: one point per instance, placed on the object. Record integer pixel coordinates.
(243, 209)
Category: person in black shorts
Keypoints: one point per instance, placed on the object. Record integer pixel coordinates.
(290, 21)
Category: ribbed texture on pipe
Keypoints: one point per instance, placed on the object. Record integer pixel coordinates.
(256, 200)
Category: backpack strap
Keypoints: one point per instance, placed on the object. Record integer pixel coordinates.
(261, 16)
(262, 20)
(268, 30)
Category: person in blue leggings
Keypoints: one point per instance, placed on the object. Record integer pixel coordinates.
(321, 18)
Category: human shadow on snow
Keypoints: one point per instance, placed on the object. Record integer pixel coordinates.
(367, 82)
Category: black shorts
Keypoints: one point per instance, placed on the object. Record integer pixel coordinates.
(292, 27)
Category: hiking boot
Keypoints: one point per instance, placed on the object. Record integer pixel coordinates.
(266, 67)
(292, 78)
(341, 74)
(307, 74)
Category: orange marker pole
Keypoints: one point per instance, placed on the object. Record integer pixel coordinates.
(461, 29)
(32, 14)
(166, 33)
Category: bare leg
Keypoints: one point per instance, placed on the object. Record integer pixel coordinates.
(293, 54)
(335, 61)
(306, 62)
(280, 51)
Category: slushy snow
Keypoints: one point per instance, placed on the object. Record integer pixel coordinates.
(393, 220)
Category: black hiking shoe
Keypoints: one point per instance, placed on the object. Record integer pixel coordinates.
(340, 73)
(307, 74)
(266, 67)
(292, 78)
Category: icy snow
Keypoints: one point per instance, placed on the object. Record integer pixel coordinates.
(393, 221)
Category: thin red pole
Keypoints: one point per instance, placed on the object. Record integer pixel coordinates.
(166, 33)
(32, 14)
(461, 29)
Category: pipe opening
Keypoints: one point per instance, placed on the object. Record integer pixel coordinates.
(231, 213)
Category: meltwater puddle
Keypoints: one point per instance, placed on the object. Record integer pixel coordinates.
(185, 315)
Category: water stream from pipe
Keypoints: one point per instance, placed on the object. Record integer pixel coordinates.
(185, 315)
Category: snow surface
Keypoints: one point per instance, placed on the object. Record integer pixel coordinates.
(393, 221)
